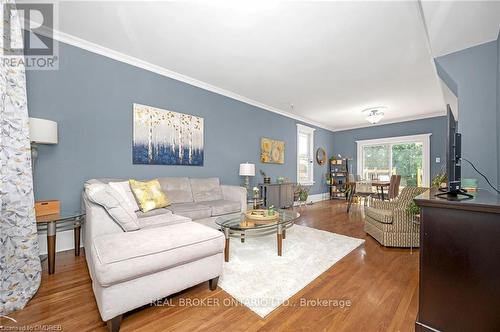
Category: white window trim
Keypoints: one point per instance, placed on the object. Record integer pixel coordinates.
(310, 131)
(425, 139)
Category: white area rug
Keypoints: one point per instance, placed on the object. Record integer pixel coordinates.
(258, 278)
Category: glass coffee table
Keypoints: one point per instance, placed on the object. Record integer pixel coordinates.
(240, 227)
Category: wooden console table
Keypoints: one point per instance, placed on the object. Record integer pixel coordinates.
(59, 222)
(459, 263)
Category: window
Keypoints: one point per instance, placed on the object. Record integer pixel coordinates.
(305, 147)
(408, 156)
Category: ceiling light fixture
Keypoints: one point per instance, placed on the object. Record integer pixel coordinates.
(374, 114)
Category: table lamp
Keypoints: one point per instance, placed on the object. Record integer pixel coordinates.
(41, 132)
(247, 170)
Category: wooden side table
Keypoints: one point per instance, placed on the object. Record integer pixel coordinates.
(60, 222)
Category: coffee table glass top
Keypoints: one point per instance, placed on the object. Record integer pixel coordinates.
(241, 222)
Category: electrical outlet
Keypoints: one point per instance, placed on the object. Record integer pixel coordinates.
(438, 160)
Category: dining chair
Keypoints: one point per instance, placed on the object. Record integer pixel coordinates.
(359, 189)
(393, 190)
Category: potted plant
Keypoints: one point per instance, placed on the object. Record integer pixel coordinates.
(302, 193)
(414, 210)
(328, 177)
(440, 180)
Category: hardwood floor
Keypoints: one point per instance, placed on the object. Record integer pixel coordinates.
(381, 284)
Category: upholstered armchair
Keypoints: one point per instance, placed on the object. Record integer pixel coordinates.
(390, 223)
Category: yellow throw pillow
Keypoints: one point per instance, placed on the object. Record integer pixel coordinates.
(149, 195)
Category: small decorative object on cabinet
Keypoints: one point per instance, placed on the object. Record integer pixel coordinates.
(267, 179)
(339, 175)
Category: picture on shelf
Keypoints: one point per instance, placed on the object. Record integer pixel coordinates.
(164, 137)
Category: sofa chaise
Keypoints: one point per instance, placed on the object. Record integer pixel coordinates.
(135, 258)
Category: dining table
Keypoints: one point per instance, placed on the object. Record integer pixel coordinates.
(381, 185)
(362, 188)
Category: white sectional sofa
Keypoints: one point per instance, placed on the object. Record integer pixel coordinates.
(169, 250)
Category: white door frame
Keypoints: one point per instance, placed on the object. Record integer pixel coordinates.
(422, 138)
(309, 131)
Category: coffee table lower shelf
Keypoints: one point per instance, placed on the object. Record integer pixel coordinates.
(231, 227)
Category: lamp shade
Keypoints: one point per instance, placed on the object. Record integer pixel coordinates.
(43, 131)
(247, 169)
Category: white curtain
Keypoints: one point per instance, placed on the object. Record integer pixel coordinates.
(19, 253)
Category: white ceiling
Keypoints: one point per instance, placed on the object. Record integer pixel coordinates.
(330, 60)
(455, 25)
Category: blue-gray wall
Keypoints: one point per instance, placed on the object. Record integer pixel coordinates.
(345, 141)
(91, 98)
(474, 72)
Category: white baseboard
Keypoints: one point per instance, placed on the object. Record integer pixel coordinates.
(64, 241)
(319, 197)
(315, 198)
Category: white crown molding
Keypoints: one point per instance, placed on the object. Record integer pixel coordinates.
(136, 62)
(305, 128)
(115, 55)
(398, 120)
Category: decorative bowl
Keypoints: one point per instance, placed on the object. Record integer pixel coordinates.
(260, 215)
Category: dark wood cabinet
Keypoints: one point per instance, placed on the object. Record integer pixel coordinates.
(278, 194)
(459, 286)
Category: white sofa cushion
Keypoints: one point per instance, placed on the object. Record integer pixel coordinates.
(125, 256)
(178, 190)
(221, 207)
(161, 220)
(191, 210)
(123, 188)
(115, 205)
(206, 189)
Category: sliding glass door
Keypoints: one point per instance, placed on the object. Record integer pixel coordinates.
(407, 161)
(407, 156)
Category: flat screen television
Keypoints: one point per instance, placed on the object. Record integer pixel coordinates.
(453, 159)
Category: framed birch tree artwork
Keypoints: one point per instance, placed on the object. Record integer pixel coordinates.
(164, 137)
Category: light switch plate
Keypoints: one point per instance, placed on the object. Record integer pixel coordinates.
(438, 160)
